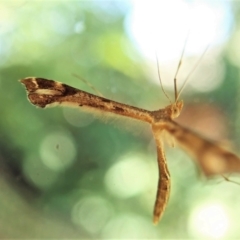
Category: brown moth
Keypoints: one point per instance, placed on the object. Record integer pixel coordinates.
(211, 158)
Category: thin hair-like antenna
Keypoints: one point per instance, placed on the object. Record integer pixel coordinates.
(229, 180)
(88, 84)
(179, 65)
(160, 80)
(191, 72)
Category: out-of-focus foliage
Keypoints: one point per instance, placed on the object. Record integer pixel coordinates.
(66, 174)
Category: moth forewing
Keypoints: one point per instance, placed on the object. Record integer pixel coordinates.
(164, 181)
(43, 93)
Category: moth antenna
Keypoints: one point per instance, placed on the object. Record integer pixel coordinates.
(160, 80)
(178, 68)
(229, 180)
(191, 72)
(88, 84)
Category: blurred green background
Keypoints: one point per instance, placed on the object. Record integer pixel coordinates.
(67, 174)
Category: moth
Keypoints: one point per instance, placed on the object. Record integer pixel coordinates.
(210, 157)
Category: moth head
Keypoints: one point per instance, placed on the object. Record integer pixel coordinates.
(176, 109)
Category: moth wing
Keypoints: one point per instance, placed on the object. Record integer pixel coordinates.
(212, 158)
